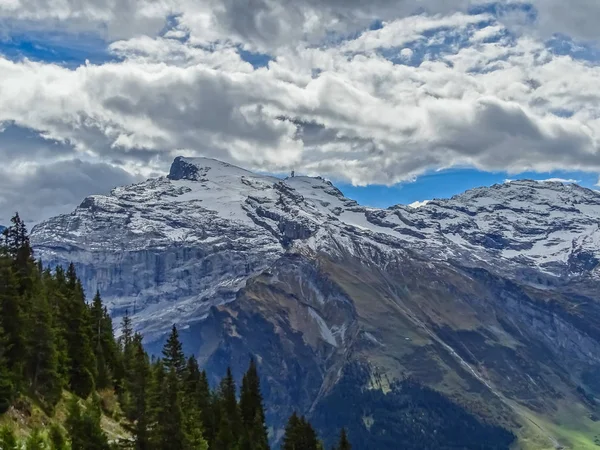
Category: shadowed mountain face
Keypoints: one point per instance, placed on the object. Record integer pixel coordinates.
(437, 327)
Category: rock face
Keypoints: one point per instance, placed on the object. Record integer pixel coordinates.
(490, 298)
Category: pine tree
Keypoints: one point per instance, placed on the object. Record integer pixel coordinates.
(12, 319)
(155, 394)
(344, 443)
(7, 388)
(192, 399)
(229, 432)
(123, 370)
(18, 247)
(85, 432)
(168, 433)
(255, 435)
(299, 435)
(173, 356)
(208, 406)
(104, 344)
(126, 332)
(56, 290)
(42, 362)
(291, 437)
(79, 336)
(139, 387)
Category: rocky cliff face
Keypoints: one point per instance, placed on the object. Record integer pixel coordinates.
(490, 298)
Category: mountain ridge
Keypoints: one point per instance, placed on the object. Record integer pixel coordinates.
(462, 294)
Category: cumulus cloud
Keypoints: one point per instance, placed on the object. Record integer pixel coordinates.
(267, 24)
(336, 97)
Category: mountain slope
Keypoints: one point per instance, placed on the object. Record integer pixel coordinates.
(489, 297)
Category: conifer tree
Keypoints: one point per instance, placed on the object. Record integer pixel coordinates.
(56, 290)
(229, 433)
(208, 406)
(169, 429)
(299, 435)
(12, 319)
(255, 435)
(104, 344)
(42, 362)
(191, 404)
(126, 332)
(173, 356)
(16, 240)
(155, 394)
(139, 388)
(123, 369)
(7, 388)
(79, 335)
(344, 443)
(85, 432)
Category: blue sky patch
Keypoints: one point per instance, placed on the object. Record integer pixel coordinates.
(446, 183)
(257, 60)
(59, 48)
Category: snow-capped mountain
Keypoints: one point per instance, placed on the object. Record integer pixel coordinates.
(457, 293)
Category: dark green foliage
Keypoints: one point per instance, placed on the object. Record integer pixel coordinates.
(56, 438)
(8, 440)
(173, 356)
(84, 430)
(18, 247)
(344, 443)
(194, 395)
(230, 420)
(123, 370)
(208, 409)
(255, 435)
(169, 433)
(138, 384)
(35, 441)
(12, 318)
(103, 342)
(78, 333)
(42, 363)
(299, 435)
(7, 388)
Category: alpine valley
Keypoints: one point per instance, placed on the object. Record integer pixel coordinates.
(475, 318)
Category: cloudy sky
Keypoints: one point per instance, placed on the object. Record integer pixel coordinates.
(395, 100)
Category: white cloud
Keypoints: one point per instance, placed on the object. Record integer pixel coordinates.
(471, 96)
(268, 24)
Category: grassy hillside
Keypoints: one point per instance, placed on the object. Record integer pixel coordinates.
(27, 415)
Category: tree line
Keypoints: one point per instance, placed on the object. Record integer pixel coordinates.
(53, 342)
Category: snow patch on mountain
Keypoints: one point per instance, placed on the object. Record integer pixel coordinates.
(169, 248)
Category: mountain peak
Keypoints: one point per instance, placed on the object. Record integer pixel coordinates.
(194, 169)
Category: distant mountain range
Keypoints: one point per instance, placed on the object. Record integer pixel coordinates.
(491, 298)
